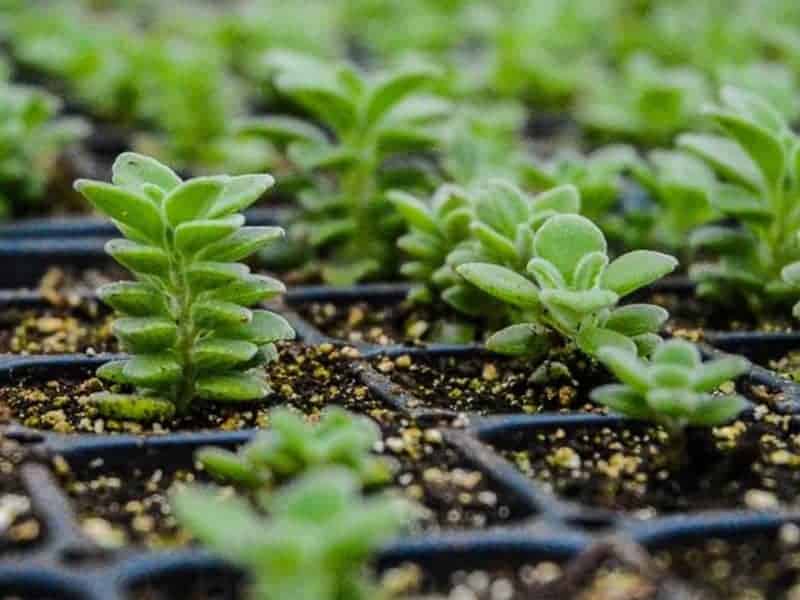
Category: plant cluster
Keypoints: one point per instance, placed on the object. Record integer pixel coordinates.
(186, 320)
(291, 447)
(374, 121)
(310, 540)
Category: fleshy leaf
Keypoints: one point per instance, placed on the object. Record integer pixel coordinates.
(637, 269)
(501, 283)
(565, 239)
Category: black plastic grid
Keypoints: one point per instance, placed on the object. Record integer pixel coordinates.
(67, 564)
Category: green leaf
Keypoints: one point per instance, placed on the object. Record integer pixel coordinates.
(193, 199)
(589, 270)
(563, 199)
(465, 299)
(390, 91)
(229, 466)
(678, 352)
(420, 245)
(717, 410)
(710, 375)
(193, 236)
(495, 244)
(670, 376)
(133, 298)
(145, 334)
(721, 239)
(215, 315)
(209, 275)
(546, 274)
(725, 156)
(241, 244)
(232, 388)
(637, 319)
(323, 98)
(592, 339)
(133, 170)
(265, 327)
(132, 407)
(113, 371)
(222, 355)
(637, 269)
(501, 283)
(582, 302)
(623, 400)
(132, 210)
(152, 370)
(626, 366)
(239, 193)
(501, 206)
(138, 257)
(248, 290)
(791, 273)
(413, 211)
(282, 129)
(564, 240)
(741, 204)
(524, 339)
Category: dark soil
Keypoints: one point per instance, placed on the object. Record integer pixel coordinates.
(752, 463)
(85, 328)
(384, 324)
(788, 365)
(496, 384)
(19, 527)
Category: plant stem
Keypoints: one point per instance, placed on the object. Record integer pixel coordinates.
(184, 394)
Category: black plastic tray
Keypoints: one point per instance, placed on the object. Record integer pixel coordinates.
(67, 564)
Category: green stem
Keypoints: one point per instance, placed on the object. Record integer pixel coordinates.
(184, 394)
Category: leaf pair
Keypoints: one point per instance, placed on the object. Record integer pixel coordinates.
(187, 321)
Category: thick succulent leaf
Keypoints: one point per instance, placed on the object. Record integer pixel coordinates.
(721, 239)
(133, 298)
(627, 367)
(754, 108)
(501, 206)
(623, 400)
(239, 193)
(670, 376)
(717, 410)
(265, 327)
(637, 269)
(230, 467)
(494, 243)
(677, 352)
(215, 355)
(113, 371)
(710, 375)
(582, 302)
(152, 370)
(675, 403)
(456, 224)
(323, 98)
(413, 211)
(741, 204)
(209, 275)
(725, 156)
(331, 231)
(193, 236)
(139, 258)
(391, 90)
(421, 245)
(593, 339)
(145, 334)
(216, 315)
(465, 299)
(133, 210)
(637, 319)
(589, 270)
(501, 283)
(524, 339)
(546, 274)
(193, 199)
(241, 244)
(234, 387)
(791, 273)
(282, 129)
(132, 407)
(646, 343)
(133, 170)
(565, 239)
(417, 270)
(248, 290)
(564, 199)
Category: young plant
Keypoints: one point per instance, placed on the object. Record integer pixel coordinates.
(291, 447)
(673, 389)
(574, 291)
(346, 218)
(648, 104)
(756, 153)
(31, 140)
(186, 320)
(313, 543)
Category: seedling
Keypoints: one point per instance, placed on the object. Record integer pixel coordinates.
(186, 320)
(31, 139)
(291, 447)
(346, 218)
(756, 153)
(673, 390)
(313, 543)
(572, 288)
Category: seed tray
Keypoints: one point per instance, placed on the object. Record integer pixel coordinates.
(66, 563)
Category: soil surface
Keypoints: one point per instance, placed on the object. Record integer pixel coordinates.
(495, 384)
(753, 463)
(19, 527)
(384, 324)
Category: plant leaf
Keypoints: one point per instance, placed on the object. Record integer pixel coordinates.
(637, 319)
(193, 236)
(233, 387)
(132, 407)
(637, 269)
(564, 240)
(501, 283)
(193, 199)
(133, 170)
(131, 209)
(524, 339)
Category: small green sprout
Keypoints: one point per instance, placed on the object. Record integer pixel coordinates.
(374, 119)
(186, 320)
(674, 388)
(291, 447)
(756, 153)
(575, 291)
(313, 543)
(31, 139)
